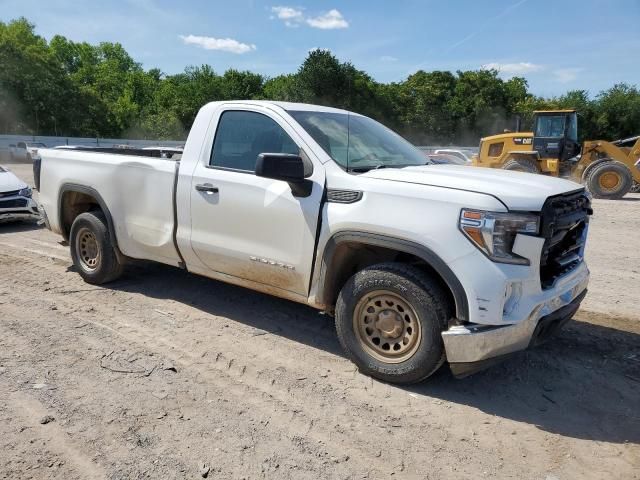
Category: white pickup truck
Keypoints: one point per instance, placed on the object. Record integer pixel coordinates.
(420, 264)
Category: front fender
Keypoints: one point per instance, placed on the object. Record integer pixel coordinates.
(326, 280)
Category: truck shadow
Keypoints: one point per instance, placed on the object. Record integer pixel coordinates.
(583, 384)
(17, 226)
(265, 313)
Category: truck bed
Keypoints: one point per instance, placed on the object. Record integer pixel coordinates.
(138, 189)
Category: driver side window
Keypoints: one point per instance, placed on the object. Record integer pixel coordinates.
(242, 136)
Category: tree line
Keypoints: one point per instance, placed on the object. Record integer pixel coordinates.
(61, 87)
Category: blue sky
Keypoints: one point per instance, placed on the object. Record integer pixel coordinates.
(556, 44)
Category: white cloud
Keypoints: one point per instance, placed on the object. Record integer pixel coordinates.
(222, 44)
(292, 17)
(519, 68)
(331, 20)
(561, 75)
(388, 58)
(566, 75)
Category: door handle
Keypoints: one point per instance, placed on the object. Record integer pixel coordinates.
(206, 188)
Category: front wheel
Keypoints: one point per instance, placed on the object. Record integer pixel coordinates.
(92, 252)
(610, 180)
(389, 319)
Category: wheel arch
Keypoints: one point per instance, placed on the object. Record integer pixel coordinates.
(74, 199)
(348, 251)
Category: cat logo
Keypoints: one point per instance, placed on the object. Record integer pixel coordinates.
(523, 140)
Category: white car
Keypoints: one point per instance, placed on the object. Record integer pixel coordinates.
(26, 151)
(445, 159)
(420, 264)
(15, 197)
(462, 155)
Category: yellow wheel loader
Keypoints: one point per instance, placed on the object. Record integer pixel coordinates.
(608, 169)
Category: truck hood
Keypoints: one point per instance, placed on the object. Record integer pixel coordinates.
(9, 182)
(517, 190)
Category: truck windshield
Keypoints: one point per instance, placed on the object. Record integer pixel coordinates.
(358, 143)
(550, 126)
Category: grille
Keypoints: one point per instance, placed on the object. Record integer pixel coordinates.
(14, 203)
(564, 225)
(9, 194)
(343, 196)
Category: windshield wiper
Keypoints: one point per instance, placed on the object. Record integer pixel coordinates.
(376, 167)
(366, 169)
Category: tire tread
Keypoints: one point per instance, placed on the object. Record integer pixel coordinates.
(433, 296)
(110, 268)
(529, 165)
(594, 188)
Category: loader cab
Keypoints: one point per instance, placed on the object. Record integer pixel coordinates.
(555, 134)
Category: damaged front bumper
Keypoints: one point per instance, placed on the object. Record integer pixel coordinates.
(473, 347)
(18, 207)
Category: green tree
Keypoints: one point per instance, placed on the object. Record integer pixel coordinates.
(324, 80)
(238, 85)
(185, 93)
(33, 87)
(285, 88)
(617, 112)
(75, 88)
(424, 104)
(481, 103)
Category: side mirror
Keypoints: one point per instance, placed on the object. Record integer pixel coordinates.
(281, 166)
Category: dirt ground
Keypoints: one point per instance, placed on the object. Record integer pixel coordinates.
(163, 372)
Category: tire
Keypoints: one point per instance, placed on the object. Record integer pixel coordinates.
(609, 180)
(414, 307)
(527, 165)
(92, 252)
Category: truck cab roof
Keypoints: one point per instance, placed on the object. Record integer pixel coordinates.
(289, 106)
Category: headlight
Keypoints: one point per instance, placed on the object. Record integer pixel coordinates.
(25, 192)
(494, 233)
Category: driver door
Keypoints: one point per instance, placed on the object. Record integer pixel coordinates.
(248, 227)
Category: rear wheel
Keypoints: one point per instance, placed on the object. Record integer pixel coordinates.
(389, 319)
(609, 180)
(92, 252)
(527, 165)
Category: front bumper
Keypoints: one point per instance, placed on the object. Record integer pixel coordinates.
(472, 347)
(17, 207)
